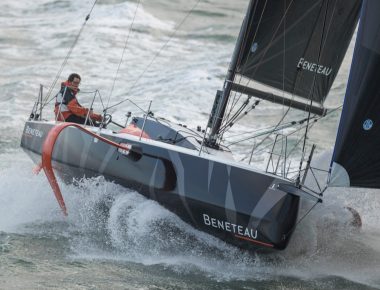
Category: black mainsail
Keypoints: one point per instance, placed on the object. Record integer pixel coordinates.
(356, 158)
(289, 52)
(299, 45)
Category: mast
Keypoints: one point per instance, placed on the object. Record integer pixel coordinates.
(220, 102)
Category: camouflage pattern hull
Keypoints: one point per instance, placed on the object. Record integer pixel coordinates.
(226, 199)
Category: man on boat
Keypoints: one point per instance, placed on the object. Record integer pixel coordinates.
(67, 107)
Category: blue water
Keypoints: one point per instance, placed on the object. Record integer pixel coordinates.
(114, 238)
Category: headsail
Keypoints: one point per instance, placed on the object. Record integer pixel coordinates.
(296, 47)
(356, 158)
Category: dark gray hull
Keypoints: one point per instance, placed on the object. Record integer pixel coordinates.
(225, 199)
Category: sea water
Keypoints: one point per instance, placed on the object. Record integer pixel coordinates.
(113, 238)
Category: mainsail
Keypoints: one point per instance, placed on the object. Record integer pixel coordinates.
(356, 158)
(289, 52)
(296, 47)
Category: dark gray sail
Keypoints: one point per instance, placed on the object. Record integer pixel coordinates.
(356, 158)
(296, 47)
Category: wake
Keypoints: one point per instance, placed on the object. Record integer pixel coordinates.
(108, 222)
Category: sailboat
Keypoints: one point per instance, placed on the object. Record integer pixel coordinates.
(288, 53)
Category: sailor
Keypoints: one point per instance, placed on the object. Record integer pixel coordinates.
(67, 107)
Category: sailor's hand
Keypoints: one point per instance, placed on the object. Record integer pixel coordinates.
(96, 117)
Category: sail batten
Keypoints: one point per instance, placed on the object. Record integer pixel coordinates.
(297, 46)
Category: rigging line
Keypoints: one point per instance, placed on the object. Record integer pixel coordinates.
(294, 171)
(283, 80)
(175, 141)
(299, 74)
(53, 97)
(157, 54)
(88, 92)
(230, 121)
(320, 193)
(122, 55)
(281, 138)
(283, 58)
(233, 102)
(283, 126)
(82, 92)
(227, 120)
(319, 169)
(236, 118)
(311, 93)
(329, 25)
(68, 55)
(241, 52)
(302, 218)
(295, 146)
(169, 123)
(315, 178)
(274, 39)
(270, 144)
(237, 98)
(316, 119)
(275, 128)
(258, 130)
(263, 54)
(191, 133)
(301, 138)
(135, 104)
(242, 115)
(100, 97)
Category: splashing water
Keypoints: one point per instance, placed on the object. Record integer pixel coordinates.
(109, 222)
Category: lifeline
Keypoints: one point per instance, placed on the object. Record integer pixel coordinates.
(229, 227)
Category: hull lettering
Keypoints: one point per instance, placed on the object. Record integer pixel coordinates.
(229, 227)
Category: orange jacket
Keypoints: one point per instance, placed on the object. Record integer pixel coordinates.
(67, 103)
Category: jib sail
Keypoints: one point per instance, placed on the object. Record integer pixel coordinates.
(356, 158)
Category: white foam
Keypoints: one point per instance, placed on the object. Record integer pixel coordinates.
(24, 197)
(109, 222)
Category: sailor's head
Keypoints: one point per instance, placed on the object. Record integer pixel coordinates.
(74, 80)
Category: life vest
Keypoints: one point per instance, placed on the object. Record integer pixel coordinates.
(67, 104)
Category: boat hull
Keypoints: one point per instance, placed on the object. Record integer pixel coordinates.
(238, 205)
